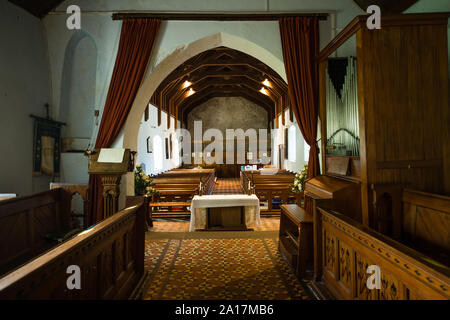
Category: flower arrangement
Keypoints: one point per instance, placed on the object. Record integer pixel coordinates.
(143, 183)
(299, 180)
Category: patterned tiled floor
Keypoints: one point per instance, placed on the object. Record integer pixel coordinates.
(227, 186)
(182, 225)
(222, 269)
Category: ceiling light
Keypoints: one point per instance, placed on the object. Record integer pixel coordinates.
(264, 91)
(186, 84)
(267, 83)
(190, 92)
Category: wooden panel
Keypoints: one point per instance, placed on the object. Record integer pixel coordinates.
(330, 254)
(296, 237)
(337, 165)
(403, 270)
(326, 187)
(362, 291)
(355, 167)
(406, 147)
(426, 223)
(25, 222)
(427, 200)
(391, 287)
(346, 267)
(110, 256)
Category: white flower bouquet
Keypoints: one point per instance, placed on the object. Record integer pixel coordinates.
(299, 180)
(143, 183)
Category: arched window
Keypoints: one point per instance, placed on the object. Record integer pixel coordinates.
(158, 152)
(292, 147)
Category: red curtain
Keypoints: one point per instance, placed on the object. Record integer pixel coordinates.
(300, 43)
(136, 42)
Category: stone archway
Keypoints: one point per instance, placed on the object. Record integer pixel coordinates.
(129, 136)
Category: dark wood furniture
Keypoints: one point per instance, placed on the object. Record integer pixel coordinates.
(111, 174)
(83, 191)
(349, 248)
(418, 219)
(403, 139)
(226, 219)
(296, 237)
(176, 189)
(110, 256)
(403, 125)
(269, 187)
(145, 201)
(25, 223)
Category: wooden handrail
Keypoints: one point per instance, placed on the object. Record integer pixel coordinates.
(418, 274)
(50, 267)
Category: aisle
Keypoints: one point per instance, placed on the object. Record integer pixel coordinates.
(182, 225)
(227, 186)
(219, 265)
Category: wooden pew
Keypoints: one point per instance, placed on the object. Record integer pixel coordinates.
(177, 187)
(25, 223)
(269, 187)
(418, 219)
(110, 256)
(349, 248)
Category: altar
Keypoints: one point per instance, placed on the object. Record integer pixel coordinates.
(224, 212)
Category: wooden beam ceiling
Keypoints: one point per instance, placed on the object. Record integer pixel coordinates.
(220, 72)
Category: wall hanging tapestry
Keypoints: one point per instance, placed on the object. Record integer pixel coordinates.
(46, 146)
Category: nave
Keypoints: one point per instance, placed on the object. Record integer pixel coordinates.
(268, 150)
(216, 265)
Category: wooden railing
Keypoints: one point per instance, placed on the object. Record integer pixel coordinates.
(110, 256)
(426, 221)
(348, 248)
(417, 219)
(25, 222)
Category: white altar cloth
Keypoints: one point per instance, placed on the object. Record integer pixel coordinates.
(200, 203)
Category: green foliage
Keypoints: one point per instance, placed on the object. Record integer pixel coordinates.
(143, 183)
(299, 180)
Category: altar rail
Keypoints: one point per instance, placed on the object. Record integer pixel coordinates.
(348, 248)
(110, 256)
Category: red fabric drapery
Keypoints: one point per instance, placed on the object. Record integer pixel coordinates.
(300, 43)
(136, 42)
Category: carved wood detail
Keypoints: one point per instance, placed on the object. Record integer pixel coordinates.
(401, 267)
(96, 252)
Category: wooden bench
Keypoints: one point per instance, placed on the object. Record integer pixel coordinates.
(418, 219)
(176, 189)
(110, 256)
(27, 223)
(269, 187)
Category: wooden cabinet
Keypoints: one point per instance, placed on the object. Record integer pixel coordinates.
(401, 113)
(296, 237)
(392, 132)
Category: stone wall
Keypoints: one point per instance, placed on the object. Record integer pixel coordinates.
(228, 113)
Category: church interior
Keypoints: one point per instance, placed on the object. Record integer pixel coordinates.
(225, 150)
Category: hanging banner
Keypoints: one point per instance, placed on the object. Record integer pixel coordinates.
(46, 147)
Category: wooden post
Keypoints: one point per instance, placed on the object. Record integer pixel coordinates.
(111, 192)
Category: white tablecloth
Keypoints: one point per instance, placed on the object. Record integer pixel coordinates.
(200, 203)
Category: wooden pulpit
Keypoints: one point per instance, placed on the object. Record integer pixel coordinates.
(110, 165)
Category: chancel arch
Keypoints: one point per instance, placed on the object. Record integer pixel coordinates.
(174, 60)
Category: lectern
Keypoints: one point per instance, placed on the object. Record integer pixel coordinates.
(110, 165)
